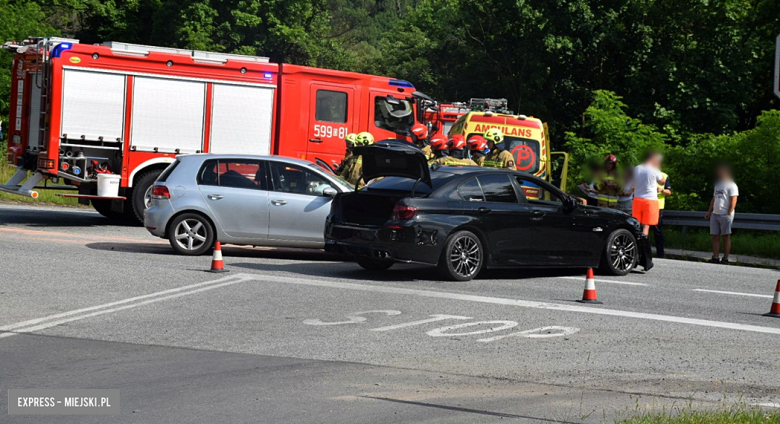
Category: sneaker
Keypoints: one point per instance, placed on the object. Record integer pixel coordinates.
(725, 260)
(714, 260)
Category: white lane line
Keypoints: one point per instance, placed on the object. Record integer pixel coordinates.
(734, 293)
(599, 280)
(107, 305)
(241, 279)
(519, 303)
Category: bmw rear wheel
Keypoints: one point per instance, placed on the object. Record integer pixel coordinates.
(462, 257)
(191, 234)
(621, 253)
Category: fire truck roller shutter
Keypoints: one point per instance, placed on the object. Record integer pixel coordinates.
(241, 119)
(33, 135)
(167, 115)
(93, 105)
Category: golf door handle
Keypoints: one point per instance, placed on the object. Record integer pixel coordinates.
(315, 140)
(279, 202)
(484, 210)
(215, 196)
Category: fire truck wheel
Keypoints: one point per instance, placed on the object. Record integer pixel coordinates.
(191, 234)
(141, 194)
(103, 207)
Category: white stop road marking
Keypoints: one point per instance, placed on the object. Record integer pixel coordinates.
(444, 331)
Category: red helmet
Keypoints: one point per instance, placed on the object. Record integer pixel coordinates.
(477, 143)
(439, 142)
(457, 142)
(611, 159)
(420, 131)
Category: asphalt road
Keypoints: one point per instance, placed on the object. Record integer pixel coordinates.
(300, 336)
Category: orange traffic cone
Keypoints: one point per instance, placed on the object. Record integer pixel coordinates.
(589, 294)
(216, 261)
(775, 310)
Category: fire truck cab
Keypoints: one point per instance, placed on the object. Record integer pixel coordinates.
(82, 110)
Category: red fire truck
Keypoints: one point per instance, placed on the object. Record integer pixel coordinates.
(82, 110)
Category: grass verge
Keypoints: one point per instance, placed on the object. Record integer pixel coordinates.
(734, 415)
(761, 244)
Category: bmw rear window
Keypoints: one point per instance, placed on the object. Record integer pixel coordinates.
(401, 184)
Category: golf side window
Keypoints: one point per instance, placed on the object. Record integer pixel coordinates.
(288, 178)
(236, 173)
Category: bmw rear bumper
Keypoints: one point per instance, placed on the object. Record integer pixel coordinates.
(404, 244)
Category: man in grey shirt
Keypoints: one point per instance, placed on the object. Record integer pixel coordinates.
(721, 213)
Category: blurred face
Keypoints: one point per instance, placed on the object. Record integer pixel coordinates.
(609, 165)
(723, 173)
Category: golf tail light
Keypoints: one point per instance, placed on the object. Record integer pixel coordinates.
(404, 213)
(160, 192)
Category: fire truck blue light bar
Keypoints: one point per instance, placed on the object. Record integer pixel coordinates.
(59, 48)
(401, 83)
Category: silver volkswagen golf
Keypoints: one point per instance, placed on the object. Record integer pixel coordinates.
(241, 199)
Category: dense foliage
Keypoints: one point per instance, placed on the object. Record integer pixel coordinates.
(682, 68)
(753, 154)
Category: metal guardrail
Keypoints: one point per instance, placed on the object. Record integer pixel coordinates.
(745, 221)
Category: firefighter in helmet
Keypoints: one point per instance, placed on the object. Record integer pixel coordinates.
(497, 157)
(477, 146)
(457, 150)
(349, 140)
(440, 148)
(420, 139)
(354, 168)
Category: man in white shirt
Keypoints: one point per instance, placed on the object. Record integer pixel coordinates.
(645, 207)
(721, 213)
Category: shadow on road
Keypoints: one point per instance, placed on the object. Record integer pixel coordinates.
(399, 272)
(58, 217)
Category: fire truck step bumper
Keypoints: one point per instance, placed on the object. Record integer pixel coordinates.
(15, 186)
(90, 196)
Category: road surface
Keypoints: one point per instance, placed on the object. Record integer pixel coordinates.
(303, 336)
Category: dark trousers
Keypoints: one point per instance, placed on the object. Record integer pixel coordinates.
(658, 235)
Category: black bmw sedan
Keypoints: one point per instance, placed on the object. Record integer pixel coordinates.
(465, 219)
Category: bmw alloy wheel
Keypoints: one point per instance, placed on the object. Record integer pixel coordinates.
(623, 252)
(465, 256)
(190, 234)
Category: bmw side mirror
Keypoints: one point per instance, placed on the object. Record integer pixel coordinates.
(330, 192)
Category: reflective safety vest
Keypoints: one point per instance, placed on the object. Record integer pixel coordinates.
(608, 194)
(661, 195)
(451, 161)
(499, 159)
(479, 160)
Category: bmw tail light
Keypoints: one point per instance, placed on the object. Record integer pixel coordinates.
(160, 192)
(404, 213)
